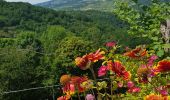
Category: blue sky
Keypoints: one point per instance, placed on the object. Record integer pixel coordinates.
(30, 1)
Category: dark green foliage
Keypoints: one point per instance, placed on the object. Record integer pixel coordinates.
(38, 45)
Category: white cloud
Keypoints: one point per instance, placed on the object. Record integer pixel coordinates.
(30, 1)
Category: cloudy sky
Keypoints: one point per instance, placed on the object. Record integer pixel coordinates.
(30, 1)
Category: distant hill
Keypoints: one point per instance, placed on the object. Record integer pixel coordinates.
(101, 5)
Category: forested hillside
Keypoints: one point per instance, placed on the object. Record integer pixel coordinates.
(38, 45)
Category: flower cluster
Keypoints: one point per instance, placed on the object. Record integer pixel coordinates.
(116, 75)
(71, 84)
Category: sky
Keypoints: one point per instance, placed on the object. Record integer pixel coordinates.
(30, 1)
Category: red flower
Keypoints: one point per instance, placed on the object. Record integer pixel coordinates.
(74, 84)
(136, 53)
(77, 81)
(85, 61)
(126, 75)
(163, 66)
(69, 89)
(119, 69)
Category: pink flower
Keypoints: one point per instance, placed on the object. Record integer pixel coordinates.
(120, 84)
(110, 44)
(130, 84)
(162, 90)
(153, 57)
(90, 97)
(151, 60)
(134, 90)
(102, 71)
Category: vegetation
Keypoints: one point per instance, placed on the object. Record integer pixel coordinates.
(39, 45)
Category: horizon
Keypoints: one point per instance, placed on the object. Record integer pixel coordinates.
(28, 1)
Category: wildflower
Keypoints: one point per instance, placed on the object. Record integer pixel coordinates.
(69, 89)
(119, 70)
(85, 61)
(77, 81)
(162, 90)
(143, 73)
(126, 75)
(102, 71)
(120, 84)
(65, 79)
(130, 84)
(90, 97)
(136, 53)
(94, 57)
(67, 97)
(110, 44)
(155, 97)
(163, 66)
(134, 90)
(151, 60)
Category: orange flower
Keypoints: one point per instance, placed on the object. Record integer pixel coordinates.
(163, 66)
(85, 61)
(156, 97)
(94, 57)
(65, 79)
(67, 97)
(136, 53)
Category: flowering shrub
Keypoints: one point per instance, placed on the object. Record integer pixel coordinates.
(135, 74)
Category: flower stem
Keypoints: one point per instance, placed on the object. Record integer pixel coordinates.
(94, 76)
(111, 89)
(78, 95)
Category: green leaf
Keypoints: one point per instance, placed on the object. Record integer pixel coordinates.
(160, 53)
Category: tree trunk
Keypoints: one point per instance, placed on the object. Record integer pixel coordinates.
(165, 30)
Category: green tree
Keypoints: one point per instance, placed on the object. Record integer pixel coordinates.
(69, 48)
(52, 37)
(145, 19)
